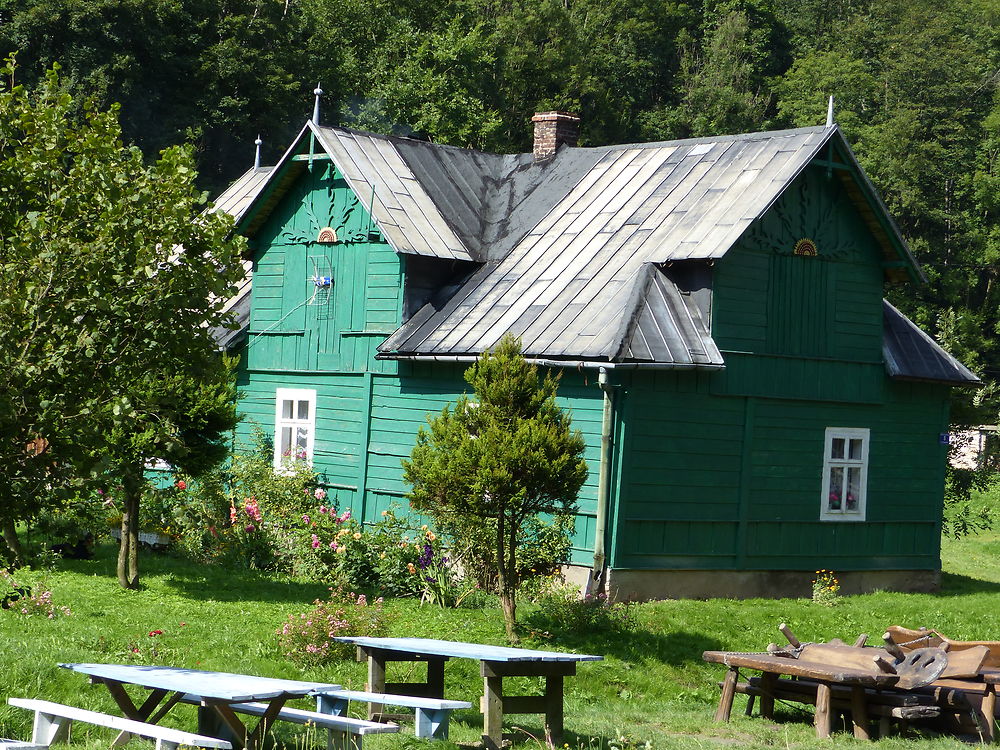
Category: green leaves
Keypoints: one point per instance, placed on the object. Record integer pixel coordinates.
(486, 469)
(110, 282)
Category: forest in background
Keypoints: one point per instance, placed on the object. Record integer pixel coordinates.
(915, 83)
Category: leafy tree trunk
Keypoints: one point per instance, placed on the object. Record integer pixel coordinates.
(13, 543)
(128, 551)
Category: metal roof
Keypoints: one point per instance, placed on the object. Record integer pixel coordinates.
(235, 200)
(573, 249)
(913, 355)
(566, 286)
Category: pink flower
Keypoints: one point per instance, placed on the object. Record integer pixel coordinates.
(253, 509)
(181, 484)
(305, 518)
(250, 527)
(315, 541)
(322, 509)
(345, 516)
(320, 493)
(333, 545)
(232, 514)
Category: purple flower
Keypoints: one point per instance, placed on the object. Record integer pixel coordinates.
(426, 557)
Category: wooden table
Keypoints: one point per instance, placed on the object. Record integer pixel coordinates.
(496, 662)
(216, 691)
(773, 667)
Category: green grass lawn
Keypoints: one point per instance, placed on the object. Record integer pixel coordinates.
(653, 684)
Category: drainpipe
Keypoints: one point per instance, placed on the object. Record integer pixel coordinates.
(596, 580)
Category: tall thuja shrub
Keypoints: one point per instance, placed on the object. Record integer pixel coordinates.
(484, 468)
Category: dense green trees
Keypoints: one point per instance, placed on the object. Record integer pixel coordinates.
(915, 83)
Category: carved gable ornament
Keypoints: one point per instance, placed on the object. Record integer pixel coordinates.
(805, 247)
(327, 236)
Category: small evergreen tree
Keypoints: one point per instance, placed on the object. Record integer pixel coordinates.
(498, 461)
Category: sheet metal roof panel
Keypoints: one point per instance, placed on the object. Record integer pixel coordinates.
(409, 219)
(236, 199)
(912, 354)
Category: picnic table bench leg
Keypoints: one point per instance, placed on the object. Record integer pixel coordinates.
(725, 709)
(859, 713)
(823, 717)
(47, 729)
(492, 712)
(432, 723)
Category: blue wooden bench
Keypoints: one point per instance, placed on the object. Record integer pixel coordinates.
(432, 714)
(52, 721)
(343, 732)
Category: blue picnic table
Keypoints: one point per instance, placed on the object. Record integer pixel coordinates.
(216, 692)
(496, 662)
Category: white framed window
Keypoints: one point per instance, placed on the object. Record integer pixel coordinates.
(294, 425)
(845, 474)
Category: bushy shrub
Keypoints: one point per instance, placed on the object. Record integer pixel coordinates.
(561, 610)
(306, 638)
(33, 600)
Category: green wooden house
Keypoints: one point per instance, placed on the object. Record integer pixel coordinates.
(716, 303)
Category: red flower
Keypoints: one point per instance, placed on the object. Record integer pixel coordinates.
(154, 633)
(181, 484)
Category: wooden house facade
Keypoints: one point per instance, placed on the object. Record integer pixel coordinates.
(753, 409)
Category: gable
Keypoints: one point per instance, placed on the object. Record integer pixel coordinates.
(805, 279)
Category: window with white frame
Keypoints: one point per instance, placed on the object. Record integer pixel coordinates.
(845, 474)
(294, 426)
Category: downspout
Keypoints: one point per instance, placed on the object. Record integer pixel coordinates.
(596, 580)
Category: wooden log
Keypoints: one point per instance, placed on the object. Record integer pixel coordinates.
(787, 632)
(842, 656)
(823, 718)
(800, 668)
(725, 708)
(895, 651)
(861, 641)
(884, 665)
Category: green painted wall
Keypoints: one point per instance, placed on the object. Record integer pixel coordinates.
(724, 470)
(368, 411)
(711, 470)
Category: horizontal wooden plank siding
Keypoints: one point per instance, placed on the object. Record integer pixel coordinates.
(685, 504)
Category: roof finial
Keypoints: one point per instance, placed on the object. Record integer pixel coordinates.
(829, 112)
(256, 159)
(318, 92)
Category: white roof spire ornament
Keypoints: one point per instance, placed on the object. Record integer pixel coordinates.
(256, 159)
(829, 112)
(318, 92)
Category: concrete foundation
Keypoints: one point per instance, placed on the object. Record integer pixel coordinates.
(643, 585)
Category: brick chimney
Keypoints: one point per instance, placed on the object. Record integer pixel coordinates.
(552, 129)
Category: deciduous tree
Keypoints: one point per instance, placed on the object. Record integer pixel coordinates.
(109, 281)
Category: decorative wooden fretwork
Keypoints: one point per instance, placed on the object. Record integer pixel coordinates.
(805, 247)
(327, 236)
(809, 212)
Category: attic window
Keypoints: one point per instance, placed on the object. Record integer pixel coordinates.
(845, 474)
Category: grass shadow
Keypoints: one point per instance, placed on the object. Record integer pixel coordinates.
(201, 582)
(955, 584)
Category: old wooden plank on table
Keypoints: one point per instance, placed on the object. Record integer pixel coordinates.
(800, 668)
